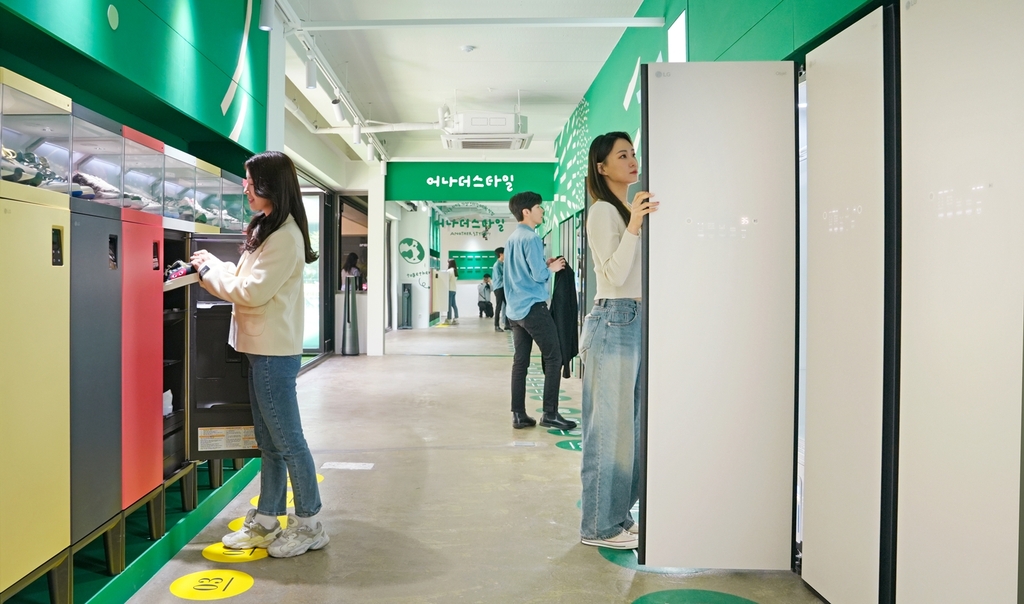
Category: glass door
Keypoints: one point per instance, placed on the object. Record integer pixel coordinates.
(312, 332)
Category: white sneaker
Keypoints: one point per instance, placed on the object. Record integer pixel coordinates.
(252, 534)
(297, 539)
(634, 530)
(621, 541)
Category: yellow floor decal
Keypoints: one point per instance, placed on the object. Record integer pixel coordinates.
(215, 584)
(218, 553)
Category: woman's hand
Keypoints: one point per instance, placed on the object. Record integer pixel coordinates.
(200, 258)
(640, 208)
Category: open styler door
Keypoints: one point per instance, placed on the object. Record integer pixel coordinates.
(720, 315)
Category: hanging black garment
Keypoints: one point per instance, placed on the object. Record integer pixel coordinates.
(565, 312)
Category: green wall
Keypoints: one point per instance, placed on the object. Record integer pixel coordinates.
(167, 66)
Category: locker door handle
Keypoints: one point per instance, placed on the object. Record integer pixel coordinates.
(112, 251)
(57, 245)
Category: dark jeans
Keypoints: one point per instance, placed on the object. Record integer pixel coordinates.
(499, 303)
(537, 326)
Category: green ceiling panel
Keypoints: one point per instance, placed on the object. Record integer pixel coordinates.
(812, 17)
(154, 56)
(715, 25)
(202, 25)
(770, 40)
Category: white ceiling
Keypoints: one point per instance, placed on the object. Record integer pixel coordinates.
(405, 74)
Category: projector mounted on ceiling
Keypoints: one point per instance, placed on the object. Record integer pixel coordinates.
(486, 130)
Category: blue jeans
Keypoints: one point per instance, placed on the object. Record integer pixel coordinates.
(452, 306)
(610, 469)
(275, 415)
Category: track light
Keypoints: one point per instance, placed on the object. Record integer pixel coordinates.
(310, 73)
(371, 152)
(339, 110)
(357, 134)
(384, 171)
(267, 14)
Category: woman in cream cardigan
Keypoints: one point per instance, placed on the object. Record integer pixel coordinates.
(610, 347)
(265, 288)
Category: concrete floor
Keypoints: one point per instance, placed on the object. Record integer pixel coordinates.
(458, 506)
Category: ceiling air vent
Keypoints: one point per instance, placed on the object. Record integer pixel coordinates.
(486, 142)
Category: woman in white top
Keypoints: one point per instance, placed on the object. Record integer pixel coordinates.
(610, 347)
(453, 282)
(266, 324)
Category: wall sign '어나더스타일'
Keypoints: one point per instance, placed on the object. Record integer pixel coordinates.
(467, 181)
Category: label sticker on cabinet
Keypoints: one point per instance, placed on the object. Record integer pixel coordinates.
(227, 439)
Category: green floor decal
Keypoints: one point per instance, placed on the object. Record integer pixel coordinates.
(557, 432)
(573, 444)
(691, 596)
(565, 410)
(538, 397)
(626, 558)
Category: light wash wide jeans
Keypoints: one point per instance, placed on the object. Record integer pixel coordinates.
(452, 306)
(610, 470)
(275, 415)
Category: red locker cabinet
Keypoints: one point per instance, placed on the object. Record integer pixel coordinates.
(142, 355)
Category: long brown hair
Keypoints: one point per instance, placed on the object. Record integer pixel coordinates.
(596, 184)
(272, 176)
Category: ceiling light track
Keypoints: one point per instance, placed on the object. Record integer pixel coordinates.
(292, 26)
(611, 22)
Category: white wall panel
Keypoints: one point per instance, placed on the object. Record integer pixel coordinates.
(845, 314)
(962, 301)
(722, 312)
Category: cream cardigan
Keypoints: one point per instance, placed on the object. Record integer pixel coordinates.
(266, 291)
(616, 253)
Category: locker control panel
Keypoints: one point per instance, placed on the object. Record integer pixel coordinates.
(112, 252)
(58, 246)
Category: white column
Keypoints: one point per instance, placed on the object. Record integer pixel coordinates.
(275, 86)
(376, 258)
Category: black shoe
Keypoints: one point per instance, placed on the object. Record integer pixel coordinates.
(498, 329)
(555, 420)
(522, 420)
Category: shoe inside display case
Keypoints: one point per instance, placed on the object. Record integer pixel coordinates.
(179, 185)
(35, 138)
(209, 205)
(143, 172)
(236, 213)
(97, 158)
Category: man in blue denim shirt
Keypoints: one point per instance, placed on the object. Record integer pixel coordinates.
(526, 294)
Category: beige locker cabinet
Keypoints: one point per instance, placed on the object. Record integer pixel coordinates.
(35, 432)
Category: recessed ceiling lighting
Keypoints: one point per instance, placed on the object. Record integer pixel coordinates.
(468, 48)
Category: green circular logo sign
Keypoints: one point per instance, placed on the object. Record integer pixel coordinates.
(411, 250)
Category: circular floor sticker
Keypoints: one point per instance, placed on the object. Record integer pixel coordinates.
(562, 397)
(541, 391)
(573, 444)
(215, 584)
(218, 553)
(691, 596)
(238, 523)
(626, 558)
(577, 432)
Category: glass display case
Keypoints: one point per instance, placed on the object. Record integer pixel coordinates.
(236, 212)
(179, 197)
(35, 140)
(209, 204)
(143, 172)
(97, 158)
